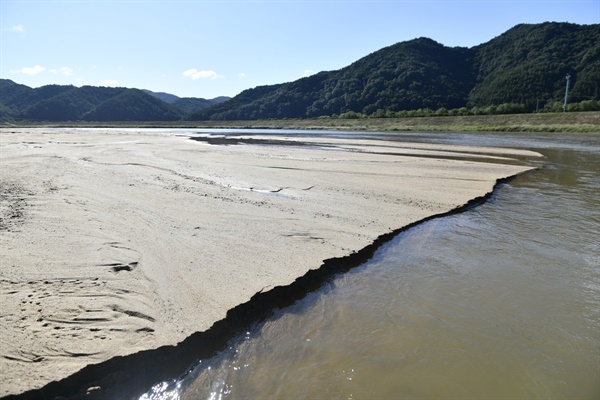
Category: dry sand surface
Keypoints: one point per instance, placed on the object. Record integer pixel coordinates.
(115, 241)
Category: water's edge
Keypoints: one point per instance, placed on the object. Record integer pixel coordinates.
(133, 375)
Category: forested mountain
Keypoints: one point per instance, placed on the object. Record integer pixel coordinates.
(91, 103)
(408, 75)
(524, 68)
(16, 98)
(70, 103)
(132, 105)
(526, 65)
(530, 62)
(166, 97)
(187, 105)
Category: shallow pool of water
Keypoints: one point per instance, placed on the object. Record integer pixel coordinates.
(499, 302)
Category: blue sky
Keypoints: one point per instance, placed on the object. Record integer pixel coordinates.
(219, 48)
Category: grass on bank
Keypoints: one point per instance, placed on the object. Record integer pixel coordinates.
(573, 122)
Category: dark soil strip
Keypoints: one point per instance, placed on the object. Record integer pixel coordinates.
(231, 141)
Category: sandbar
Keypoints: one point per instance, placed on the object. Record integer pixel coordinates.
(116, 241)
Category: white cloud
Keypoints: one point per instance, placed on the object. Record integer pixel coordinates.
(195, 74)
(66, 71)
(18, 29)
(108, 82)
(29, 70)
(242, 75)
(308, 72)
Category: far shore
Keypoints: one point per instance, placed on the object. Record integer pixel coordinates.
(566, 122)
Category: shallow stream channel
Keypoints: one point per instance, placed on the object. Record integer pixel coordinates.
(501, 301)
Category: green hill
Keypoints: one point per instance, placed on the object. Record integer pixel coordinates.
(132, 105)
(526, 65)
(70, 103)
(166, 97)
(409, 75)
(16, 98)
(91, 103)
(530, 62)
(188, 105)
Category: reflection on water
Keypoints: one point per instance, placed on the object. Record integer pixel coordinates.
(501, 302)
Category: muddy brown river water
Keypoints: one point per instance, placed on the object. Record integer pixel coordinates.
(499, 302)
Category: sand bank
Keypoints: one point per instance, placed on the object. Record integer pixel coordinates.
(116, 241)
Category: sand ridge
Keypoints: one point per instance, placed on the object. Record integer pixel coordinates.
(116, 241)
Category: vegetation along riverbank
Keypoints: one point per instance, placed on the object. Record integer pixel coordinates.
(576, 122)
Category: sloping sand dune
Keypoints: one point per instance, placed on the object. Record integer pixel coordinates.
(115, 241)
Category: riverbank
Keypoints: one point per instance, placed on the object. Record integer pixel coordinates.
(454, 308)
(114, 242)
(573, 122)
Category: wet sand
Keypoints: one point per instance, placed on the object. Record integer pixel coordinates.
(117, 241)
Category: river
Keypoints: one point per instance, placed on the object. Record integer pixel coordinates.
(499, 302)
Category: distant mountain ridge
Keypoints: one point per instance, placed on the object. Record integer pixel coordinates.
(166, 97)
(526, 65)
(92, 103)
(187, 105)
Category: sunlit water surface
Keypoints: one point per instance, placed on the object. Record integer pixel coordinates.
(500, 302)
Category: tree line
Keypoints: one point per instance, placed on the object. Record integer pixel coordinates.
(506, 108)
